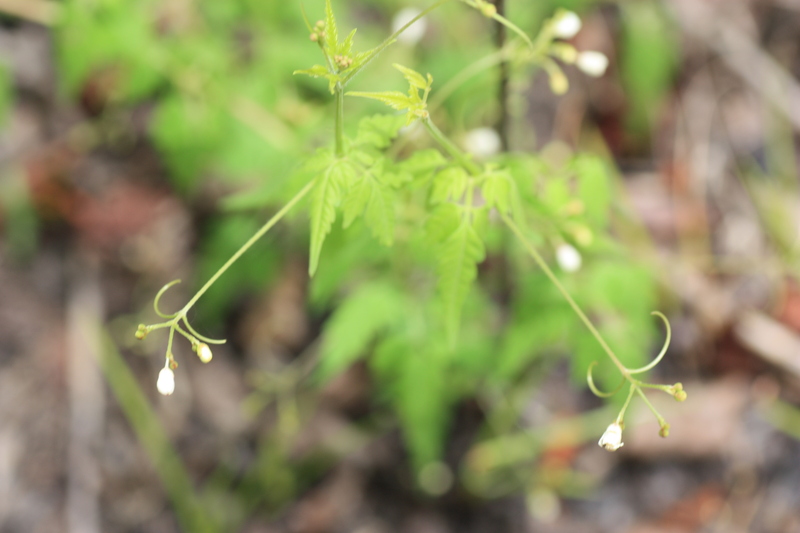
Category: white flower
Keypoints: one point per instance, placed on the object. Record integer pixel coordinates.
(569, 259)
(166, 381)
(592, 63)
(482, 142)
(413, 33)
(612, 438)
(204, 352)
(567, 25)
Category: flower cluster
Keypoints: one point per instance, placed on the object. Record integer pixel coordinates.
(176, 322)
(318, 35)
(343, 62)
(563, 26)
(612, 438)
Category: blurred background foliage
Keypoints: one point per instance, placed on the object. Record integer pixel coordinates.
(206, 89)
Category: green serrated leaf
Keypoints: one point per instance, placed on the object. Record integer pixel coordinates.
(317, 71)
(414, 78)
(331, 31)
(373, 197)
(378, 130)
(394, 99)
(372, 308)
(347, 45)
(457, 268)
(326, 197)
(449, 184)
(442, 222)
(380, 214)
(496, 189)
(421, 165)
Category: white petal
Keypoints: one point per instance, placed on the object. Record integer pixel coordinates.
(413, 33)
(612, 438)
(567, 25)
(569, 259)
(166, 382)
(592, 63)
(482, 142)
(204, 353)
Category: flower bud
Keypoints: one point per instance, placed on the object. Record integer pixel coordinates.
(565, 52)
(592, 63)
(482, 142)
(569, 259)
(612, 438)
(489, 10)
(204, 352)
(567, 25)
(166, 381)
(559, 83)
(141, 332)
(677, 392)
(664, 431)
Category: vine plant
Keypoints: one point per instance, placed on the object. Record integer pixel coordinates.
(359, 179)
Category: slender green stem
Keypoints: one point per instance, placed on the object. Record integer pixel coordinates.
(169, 343)
(575, 307)
(621, 414)
(339, 139)
(160, 326)
(665, 388)
(469, 199)
(485, 63)
(454, 151)
(597, 392)
(661, 420)
(389, 40)
(663, 351)
(246, 246)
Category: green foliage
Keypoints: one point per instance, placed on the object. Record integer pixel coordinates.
(336, 176)
(422, 308)
(371, 309)
(414, 104)
(459, 252)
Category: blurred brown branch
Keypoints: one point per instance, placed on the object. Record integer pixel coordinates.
(42, 12)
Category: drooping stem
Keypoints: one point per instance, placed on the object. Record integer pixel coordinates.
(339, 139)
(575, 307)
(631, 392)
(451, 148)
(246, 246)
